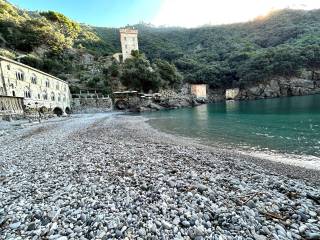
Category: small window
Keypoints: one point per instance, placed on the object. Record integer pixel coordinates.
(39, 96)
(45, 96)
(8, 67)
(59, 97)
(47, 83)
(27, 93)
(20, 75)
(34, 79)
(125, 38)
(53, 97)
(57, 86)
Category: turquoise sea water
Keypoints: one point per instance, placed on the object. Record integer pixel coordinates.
(284, 125)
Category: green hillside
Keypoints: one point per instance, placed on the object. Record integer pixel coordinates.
(286, 43)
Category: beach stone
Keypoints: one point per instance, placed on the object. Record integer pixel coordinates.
(185, 223)
(166, 225)
(313, 235)
(259, 237)
(303, 228)
(31, 226)
(202, 188)
(15, 225)
(142, 232)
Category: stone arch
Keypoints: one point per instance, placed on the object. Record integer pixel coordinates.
(58, 111)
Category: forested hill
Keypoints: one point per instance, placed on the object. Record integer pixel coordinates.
(285, 43)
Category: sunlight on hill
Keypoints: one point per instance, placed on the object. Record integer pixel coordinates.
(193, 13)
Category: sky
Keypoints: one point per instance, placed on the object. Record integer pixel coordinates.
(185, 13)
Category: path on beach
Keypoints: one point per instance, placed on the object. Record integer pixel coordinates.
(111, 176)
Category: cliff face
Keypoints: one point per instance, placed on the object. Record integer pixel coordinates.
(280, 87)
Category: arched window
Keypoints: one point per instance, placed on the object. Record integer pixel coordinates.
(27, 93)
(47, 83)
(53, 97)
(34, 79)
(20, 75)
(45, 96)
(59, 97)
(64, 97)
(57, 86)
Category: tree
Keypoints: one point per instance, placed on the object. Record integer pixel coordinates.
(139, 75)
(168, 73)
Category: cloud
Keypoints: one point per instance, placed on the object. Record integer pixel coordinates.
(192, 13)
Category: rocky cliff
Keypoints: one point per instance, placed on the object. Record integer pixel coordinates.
(280, 87)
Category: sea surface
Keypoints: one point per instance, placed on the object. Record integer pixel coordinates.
(284, 125)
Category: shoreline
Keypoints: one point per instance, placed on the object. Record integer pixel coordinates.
(286, 164)
(113, 176)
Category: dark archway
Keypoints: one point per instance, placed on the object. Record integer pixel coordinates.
(43, 109)
(121, 104)
(68, 110)
(58, 111)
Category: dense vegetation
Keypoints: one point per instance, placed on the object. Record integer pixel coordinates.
(285, 43)
(139, 74)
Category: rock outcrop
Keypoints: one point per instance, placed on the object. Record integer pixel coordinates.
(281, 87)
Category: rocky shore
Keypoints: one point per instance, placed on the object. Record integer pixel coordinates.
(110, 176)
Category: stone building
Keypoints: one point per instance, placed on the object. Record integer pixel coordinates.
(38, 90)
(129, 43)
(232, 94)
(199, 90)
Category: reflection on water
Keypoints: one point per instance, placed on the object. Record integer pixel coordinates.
(290, 125)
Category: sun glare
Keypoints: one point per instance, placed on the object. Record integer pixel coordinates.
(193, 13)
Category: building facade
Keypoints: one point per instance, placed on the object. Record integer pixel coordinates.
(129, 42)
(39, 90)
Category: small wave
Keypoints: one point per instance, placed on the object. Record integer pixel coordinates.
(306, 161)
(264, 135)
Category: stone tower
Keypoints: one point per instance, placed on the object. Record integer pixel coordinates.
(129, 41)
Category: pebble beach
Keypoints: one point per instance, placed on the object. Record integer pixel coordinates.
(112, 176)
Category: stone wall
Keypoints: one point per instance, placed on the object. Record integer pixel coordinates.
(91, 105)
(11, 106)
